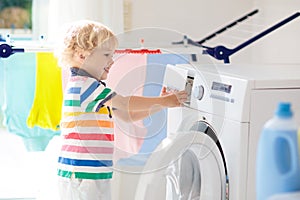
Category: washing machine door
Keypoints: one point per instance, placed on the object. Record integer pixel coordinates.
(188, 165)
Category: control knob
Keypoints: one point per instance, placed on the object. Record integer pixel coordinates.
(199, 92)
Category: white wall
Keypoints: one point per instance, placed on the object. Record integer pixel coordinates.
(168, 20)
(196, 18)
(40, 13)
(282, 45)
(160, 22)
(50, 15)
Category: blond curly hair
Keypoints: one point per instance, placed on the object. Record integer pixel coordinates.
(83, 37)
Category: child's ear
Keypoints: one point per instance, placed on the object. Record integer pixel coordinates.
(81, 56)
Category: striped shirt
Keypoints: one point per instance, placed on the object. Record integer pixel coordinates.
(87, 129)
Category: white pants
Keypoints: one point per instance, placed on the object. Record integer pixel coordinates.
(84, 189)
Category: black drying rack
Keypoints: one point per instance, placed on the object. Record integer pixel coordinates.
(221, 52)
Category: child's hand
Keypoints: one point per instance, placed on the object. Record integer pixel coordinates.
(164, 91)
(176, 98)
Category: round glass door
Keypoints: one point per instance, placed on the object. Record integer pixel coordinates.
(186, 166)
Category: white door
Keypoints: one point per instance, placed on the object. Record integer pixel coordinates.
(187, 165)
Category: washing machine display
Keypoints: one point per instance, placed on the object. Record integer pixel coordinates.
(221, 87)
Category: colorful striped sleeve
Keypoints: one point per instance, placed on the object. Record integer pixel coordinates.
(94, 95)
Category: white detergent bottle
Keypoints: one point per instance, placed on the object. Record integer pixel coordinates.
(277, 167)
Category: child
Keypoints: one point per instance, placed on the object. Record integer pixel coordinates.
(89, 107)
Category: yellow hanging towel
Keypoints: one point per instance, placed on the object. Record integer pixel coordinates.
(46, 109)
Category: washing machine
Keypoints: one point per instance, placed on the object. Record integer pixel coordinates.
(210, 150)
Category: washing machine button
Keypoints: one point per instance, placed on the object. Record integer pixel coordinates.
(199, 92)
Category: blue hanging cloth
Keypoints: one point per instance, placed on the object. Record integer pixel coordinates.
(1, 91)
(18, 91)
(156, 124)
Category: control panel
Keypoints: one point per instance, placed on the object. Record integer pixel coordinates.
(209, 90)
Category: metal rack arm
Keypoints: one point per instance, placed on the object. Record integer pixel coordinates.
(7, 50)
(223, 53)
(187, 40)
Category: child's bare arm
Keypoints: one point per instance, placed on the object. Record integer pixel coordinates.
(134, 108)
(140, 103)
(136, 115)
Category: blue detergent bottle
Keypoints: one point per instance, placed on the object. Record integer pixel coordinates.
(277, 167)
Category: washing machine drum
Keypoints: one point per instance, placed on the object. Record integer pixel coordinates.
(186, 166)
